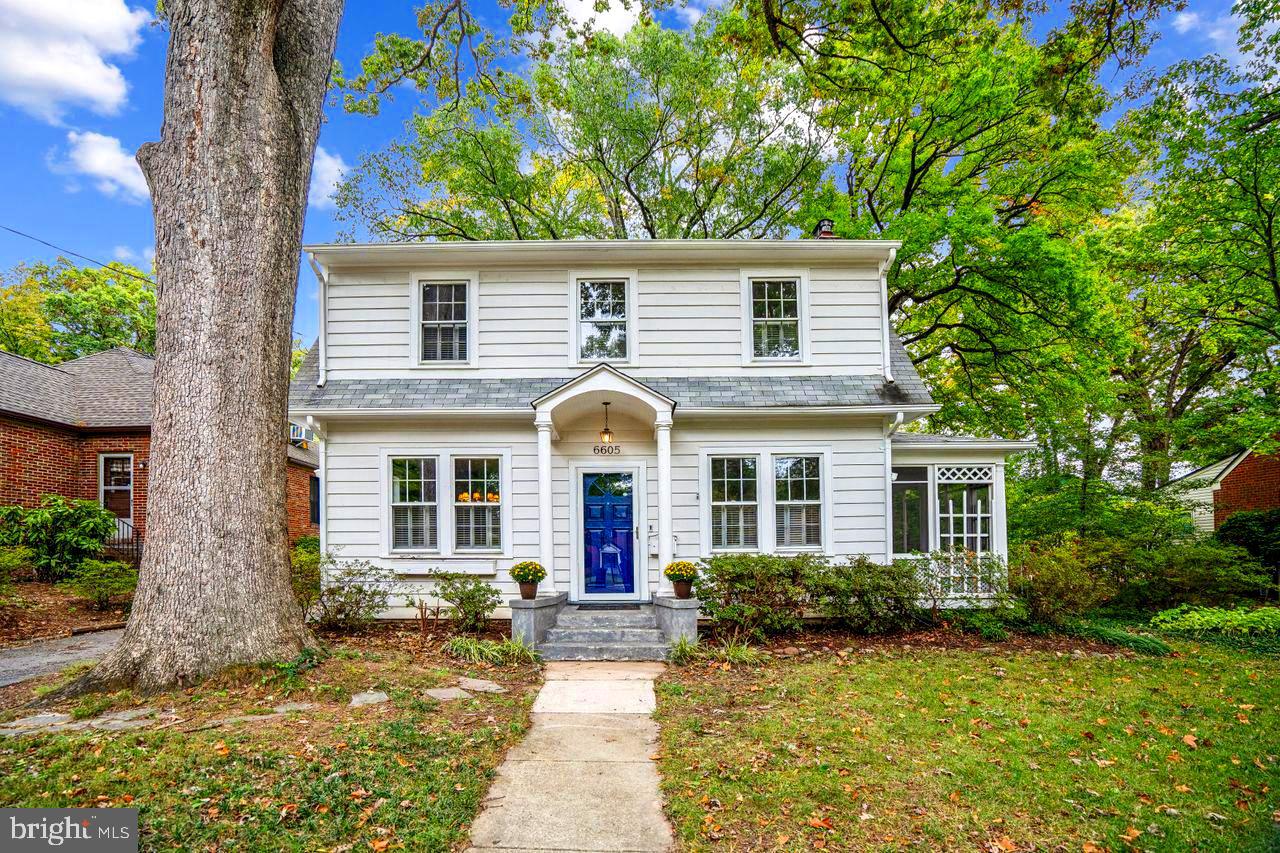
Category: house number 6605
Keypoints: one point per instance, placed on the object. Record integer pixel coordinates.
(607, 450)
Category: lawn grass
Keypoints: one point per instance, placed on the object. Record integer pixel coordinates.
(407, 775)
(993, 749)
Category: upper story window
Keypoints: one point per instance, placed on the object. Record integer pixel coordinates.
(602, 320)
(444, 319)
(775, 318)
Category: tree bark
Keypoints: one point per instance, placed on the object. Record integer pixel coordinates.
(244, 91)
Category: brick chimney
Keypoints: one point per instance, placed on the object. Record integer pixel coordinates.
(823, 230)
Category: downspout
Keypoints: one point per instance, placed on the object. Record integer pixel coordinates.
(884, 316)
(322, 276)
(323, 457)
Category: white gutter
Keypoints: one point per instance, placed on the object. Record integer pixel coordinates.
(884, 313)
(895, 425)
(322, 276)
(526, 411)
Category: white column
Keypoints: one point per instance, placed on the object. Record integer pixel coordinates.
(662, 430)
(546, 542)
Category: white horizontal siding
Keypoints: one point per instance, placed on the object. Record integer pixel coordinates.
(353, 500)
(688, 321)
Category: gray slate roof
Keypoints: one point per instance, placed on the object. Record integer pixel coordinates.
(740, 391)
(107, 389)
(925, 439)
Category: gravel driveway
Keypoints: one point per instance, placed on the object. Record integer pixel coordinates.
(49, 656)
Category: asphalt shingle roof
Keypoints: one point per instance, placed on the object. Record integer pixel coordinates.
(744, 391)
(107, 389)
(934, 440)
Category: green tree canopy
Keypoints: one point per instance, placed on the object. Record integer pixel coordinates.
(57, 312)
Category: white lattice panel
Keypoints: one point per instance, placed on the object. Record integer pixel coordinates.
(964, 474)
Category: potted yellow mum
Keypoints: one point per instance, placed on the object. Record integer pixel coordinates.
(681, 573)
(528, 574)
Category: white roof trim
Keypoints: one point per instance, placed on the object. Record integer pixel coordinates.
(604, 377)
(1231, 463)
(601, 252)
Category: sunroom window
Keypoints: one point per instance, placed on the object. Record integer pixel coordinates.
(602, 320)
(413, 504)
(798, 501)
(734, 503)
(477, 508)
(911, 510)
(964, 510)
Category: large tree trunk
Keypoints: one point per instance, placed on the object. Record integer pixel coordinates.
(244, 92)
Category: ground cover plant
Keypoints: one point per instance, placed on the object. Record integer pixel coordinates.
(927, 742)
(408, 774)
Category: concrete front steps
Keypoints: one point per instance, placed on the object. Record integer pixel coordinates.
(605, 635)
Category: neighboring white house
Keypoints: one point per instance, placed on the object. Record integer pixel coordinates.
(754, 392)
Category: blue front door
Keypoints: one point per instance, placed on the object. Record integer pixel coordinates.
(608, 538)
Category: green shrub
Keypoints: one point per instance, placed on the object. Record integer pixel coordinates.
(1199, 571)
(988, 623)
(352, 593)
(305, 574)
(15, 561)
(507, 652)
(731, 650)
(950, 579)
(1256, 531)
(98, 581)
(755, 594)
(1199, 620)
(1059, 582)
(473, 600)
(61, 533)
(310, 544)
(866, 596)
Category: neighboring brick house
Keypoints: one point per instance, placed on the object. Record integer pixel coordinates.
(1245, 481)
(82, 429)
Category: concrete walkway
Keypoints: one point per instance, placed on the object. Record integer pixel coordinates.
(583, 778)
(46, 657)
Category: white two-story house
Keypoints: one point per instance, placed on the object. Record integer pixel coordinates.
(605, 407)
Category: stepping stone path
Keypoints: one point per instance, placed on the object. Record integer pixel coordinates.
(370, 697)
(447, 694)
(479, 685)
(115, 721)
(583, 778)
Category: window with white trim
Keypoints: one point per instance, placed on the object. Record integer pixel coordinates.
(602, 319)
(775, 319)
(911, 510)
(797, 501)
(414, 504)
(443, 318)
(477, 503)
(116, 484)
(734, 503)
(964, 516)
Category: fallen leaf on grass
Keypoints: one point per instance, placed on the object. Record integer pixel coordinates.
(820, 823)
(1190, 740)
(1131, 834)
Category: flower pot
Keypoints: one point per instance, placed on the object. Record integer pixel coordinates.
(684, 589)
(528, 591)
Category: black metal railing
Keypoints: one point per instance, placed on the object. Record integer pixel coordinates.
(126, 543)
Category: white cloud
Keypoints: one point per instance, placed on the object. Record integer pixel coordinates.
(103, 160)
(617, 19)
(131, 256)
(54, 53)
(326, 173)
(1184, 22)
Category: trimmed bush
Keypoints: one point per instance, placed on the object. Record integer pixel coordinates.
(1256, 531)
(98, 581)
(15, 560)
(866, 596)
(473, 600)
(1201, 572)
(304, 573)
(61, 533)
(756, 594)
(310, 544)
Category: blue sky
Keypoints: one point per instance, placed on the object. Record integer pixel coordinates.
(81, 85)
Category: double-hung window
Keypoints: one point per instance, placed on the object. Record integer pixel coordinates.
(414, 505)
(734, 504)
(603, 314)
(797, 501)
(444, 318)
(775, 319)
(477, 508)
